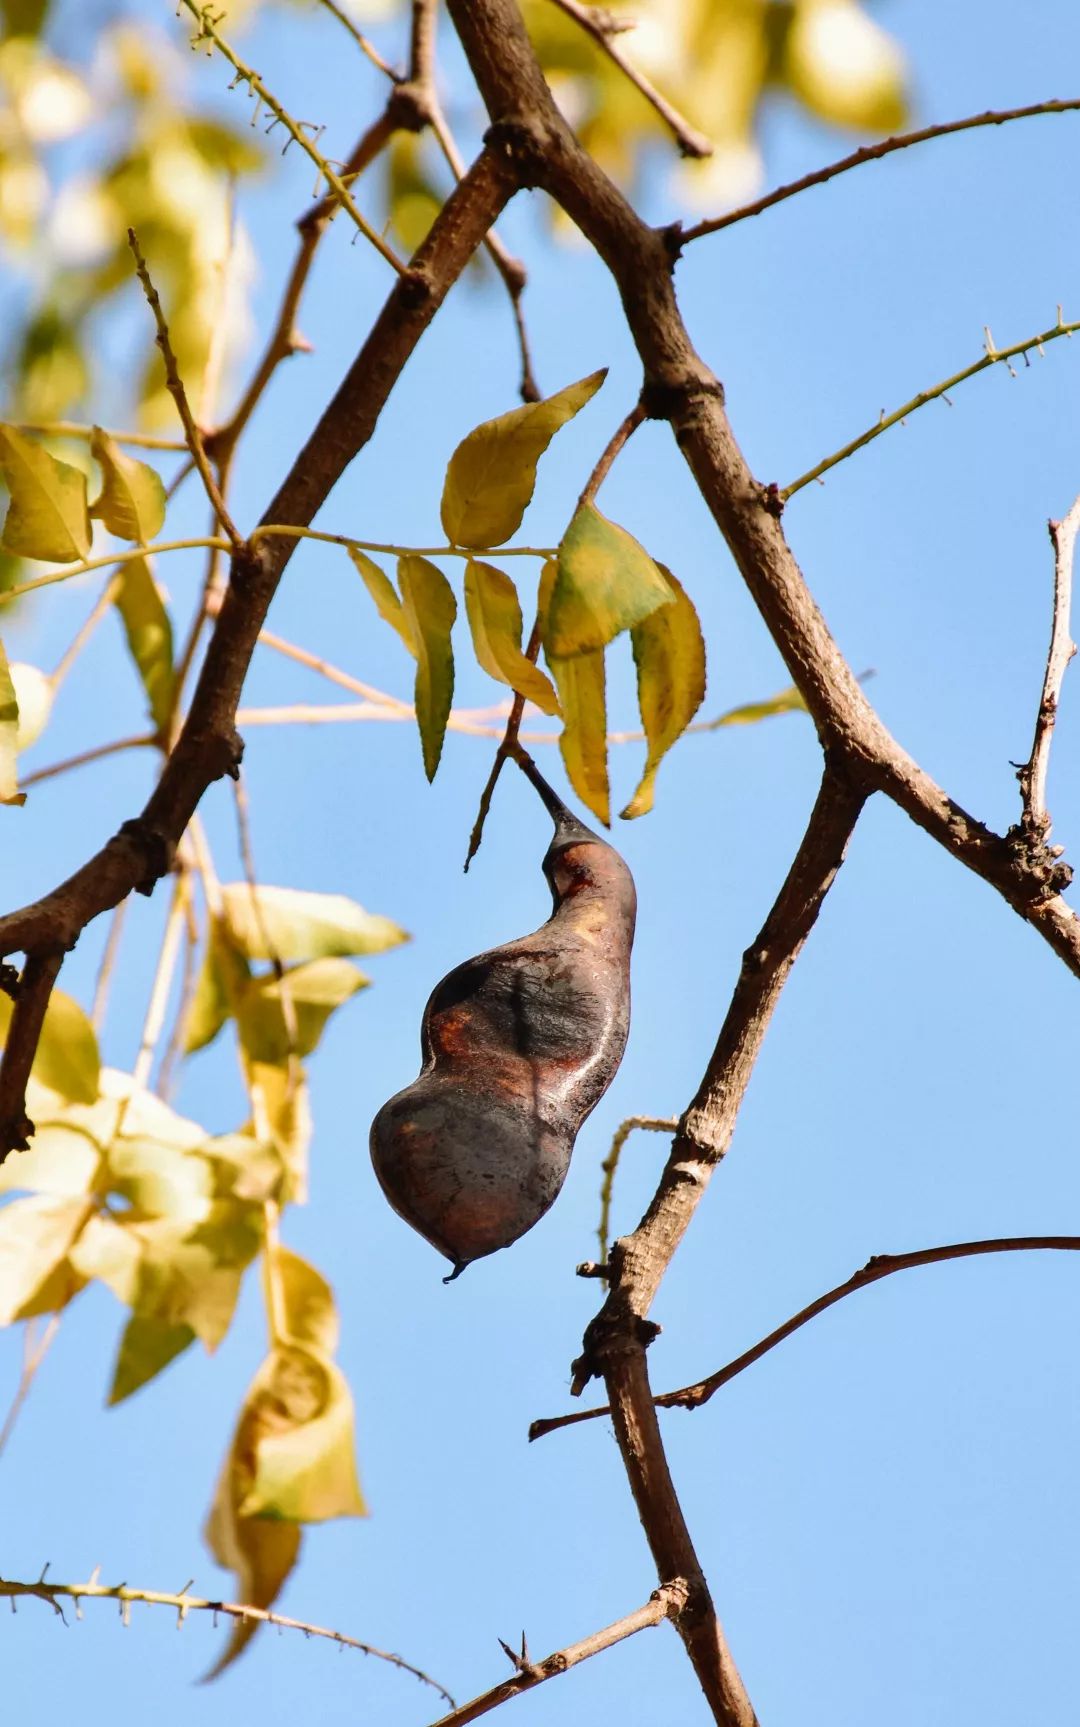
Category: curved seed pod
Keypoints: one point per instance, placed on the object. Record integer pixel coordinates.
(519, 1045)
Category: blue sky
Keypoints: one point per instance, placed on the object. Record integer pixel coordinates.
(887, 1505)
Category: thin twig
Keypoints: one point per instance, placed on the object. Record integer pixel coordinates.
(507, 747)
(654, 1124)
(96, 754)
(163, 981)
(691, 142)
(297, 130)
(1032, 776)
(85, 631)
(333, 674)
(621, 436)
(873, 153)
(667, 1602)
(75, 429)
(86, 565)
(361, 41)
(189, 981)
(511, 270)
(108, 963)
(175, 385)
(992, 357)
(34, 1353)
(183, 1604)
(879, 1266)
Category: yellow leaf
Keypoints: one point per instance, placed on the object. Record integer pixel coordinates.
(494, 614)
(36, 1236)
(381, 589)
(146, 1347)
(430, 608)
(282, 1119)
(34, 694)
(310, 1314)
(581, 685)
(297, 924)
(492, 473)
(313, 989)
(132, 501)
(786, 701)
(47, 517)
(669, 652)
(305, 1460)
(844, 67)
(260, 1552)
(606, 583)
(67, 1059)
(149, 634)
(9, 743)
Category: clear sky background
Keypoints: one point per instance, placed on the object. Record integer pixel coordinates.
(887, 1505)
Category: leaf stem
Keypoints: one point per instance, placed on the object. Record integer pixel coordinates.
(85, 565)
(271, 530)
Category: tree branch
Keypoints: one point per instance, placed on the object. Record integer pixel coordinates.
(183, 1604)
(1035, 819)
(992, 357)
(664, 1603)
(879, 1266)
(873, 153)
(603, 29)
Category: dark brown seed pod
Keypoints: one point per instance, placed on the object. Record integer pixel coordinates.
(519, 1045)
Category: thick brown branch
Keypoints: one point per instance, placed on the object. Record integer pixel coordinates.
(637, 1431)
(1035, 820)
(665, 1603)
(20, 1046)
(872, 153)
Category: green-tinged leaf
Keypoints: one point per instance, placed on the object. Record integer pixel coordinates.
(220, 988)
(157, 1179)
(844, 66)
(311, 992)
(243, 1167)
(305, 1459)
(787, 701)
(62, 1161)
(669, 652)
(149, 635)
(146, 1347)
(492, 473)
(36, 1237)
(34, 694)
(132, 500)
(606, 583)
(260, 1552)
(582, 695)
(47, 517)
(282, 1119)
(9, 739)
(294, 924)
(383, 592)
(310, 1316)
(67, 1059)
(430, 608)
(225, 147)
(494, 614)
(187, 1272)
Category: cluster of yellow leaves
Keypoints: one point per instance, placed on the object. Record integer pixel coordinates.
(600, 584)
